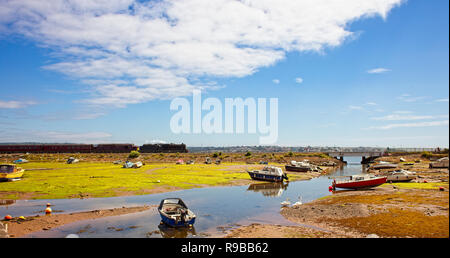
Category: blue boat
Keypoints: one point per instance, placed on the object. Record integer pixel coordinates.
(175, 213)
(268, 173)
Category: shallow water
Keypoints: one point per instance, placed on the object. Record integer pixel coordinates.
(218, 209)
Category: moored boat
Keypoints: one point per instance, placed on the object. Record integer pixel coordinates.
(360, 182)
(175, 213)
(268, 173)
(298, 166)
(9, 172)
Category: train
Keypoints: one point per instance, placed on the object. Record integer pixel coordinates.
(91, 148)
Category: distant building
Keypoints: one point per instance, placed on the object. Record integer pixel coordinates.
(163, 148)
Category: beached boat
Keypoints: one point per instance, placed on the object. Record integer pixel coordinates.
(9, 172)
(440, 163)
(129, 164)
(268, 173)
(360, 182)
(400, 176)
(384, 165)
(298, 166)
(175, 213)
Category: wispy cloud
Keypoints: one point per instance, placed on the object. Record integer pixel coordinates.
(130, 51)
(398, 117)
(12, 104)
(298, 80)
(442, 100)
(351, 107)
(406, 125)
(409, 98)
(276, 81)
(378, 70)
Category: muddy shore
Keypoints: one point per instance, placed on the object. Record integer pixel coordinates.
(21, 227)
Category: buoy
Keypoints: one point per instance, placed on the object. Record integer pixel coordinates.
(441, 188)
(425, 181)
(22, 218)
(8, 217)
(330, 188)
(48, 210)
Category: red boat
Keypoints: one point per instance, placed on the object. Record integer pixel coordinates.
(360, 182)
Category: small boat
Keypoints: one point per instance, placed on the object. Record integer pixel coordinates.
(9, 172)
(129, 164)
(360, 182)
(440, 163)
(298, 166)
(401, 176)
(72, 160)
(384, 165)
(18, 161)
(268, 173)
(175, 213)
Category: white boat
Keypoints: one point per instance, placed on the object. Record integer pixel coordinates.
(401, 176)
(268, 173)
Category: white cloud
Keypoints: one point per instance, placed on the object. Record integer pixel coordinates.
(378, 70)
(371, 104)
(12, 104)
(407, 125)
(409, 98)
(397, 117)
(138, 51)
(351, 107)
(298, 80)
(442, 100)
(276, 81)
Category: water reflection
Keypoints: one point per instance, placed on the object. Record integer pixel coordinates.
(269, 189)
(181, 232)
(7, 202)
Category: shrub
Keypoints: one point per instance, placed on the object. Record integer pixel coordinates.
(427, 154)
(215, 155)
(133, 154)
(248, 154)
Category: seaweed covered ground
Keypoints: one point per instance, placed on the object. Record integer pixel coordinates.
(47, 176)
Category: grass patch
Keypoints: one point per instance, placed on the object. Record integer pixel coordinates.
(51, 180)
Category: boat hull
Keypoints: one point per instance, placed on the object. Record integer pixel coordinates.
(296, 169)
(263, 177)
(11, 176)
(363, 184)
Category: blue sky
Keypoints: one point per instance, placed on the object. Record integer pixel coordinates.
(370, 75)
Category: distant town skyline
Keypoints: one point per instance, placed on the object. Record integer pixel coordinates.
(355, 73)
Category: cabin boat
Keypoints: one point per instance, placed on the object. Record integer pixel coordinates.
(268, 173)
(401, 176)
(360, 182)
(10, 172)
(175, 213)
(298, 166)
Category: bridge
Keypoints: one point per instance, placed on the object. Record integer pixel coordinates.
(367, 156)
